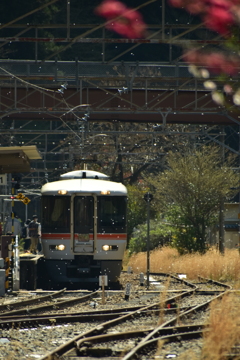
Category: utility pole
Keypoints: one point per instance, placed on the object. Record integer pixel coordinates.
(148, 198)
(221, 210)
(239, 191)
(221, 227)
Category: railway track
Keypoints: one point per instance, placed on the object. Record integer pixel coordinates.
(10, 306)
(127, 331)
(48, 306)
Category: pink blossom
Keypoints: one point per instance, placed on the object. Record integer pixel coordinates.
(219, 20)
(177, 3)
(218, 15)
(228, 89)
(193, 6)
(196, 7)
(110, 9)
(236, 13)
(130, 29)
(227, 4)
(215, 62)
(192, 57)
(125, 21)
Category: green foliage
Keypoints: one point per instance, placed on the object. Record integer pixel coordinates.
(191, 191)
(10, 11)
(137, 212)
(21, 244)
(185, 237)
(186, 242)
(159, 234)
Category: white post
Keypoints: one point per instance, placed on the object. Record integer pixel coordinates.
(103, 289)
(16, 279)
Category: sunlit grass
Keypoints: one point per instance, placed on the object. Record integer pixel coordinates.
(211, 265)
(222, 331)
(125, 263)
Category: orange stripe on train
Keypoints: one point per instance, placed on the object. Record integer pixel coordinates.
(99, 236)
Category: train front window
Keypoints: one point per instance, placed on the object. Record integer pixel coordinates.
(56, 214)
(112, 214)
(83, 214)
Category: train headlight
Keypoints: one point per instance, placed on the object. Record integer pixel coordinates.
(62, 192)
(106, 247)
(105, 192)
(60, 247)
(110, 247)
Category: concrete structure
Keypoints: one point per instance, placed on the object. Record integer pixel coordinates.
(231, 225)
(15, 159)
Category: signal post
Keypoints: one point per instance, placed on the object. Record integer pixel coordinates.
(148, 198)
(10, 244)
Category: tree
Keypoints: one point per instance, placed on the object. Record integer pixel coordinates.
(136, 207)
(124, 151)
(194, 186)
(31, 13)
(160, 234)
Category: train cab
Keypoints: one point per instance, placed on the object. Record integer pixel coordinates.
(83, 228)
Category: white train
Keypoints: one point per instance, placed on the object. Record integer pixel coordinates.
(83, 228)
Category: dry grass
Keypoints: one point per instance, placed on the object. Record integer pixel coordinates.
(222, 329)
(162, 302)
(211, 265)
(125, 261)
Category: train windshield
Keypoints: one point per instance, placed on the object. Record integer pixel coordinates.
(83, 214)
(112, 214)
(56, 214)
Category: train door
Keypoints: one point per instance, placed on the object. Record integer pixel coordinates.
(83, 224)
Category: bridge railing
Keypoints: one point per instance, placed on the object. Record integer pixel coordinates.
(75, 73)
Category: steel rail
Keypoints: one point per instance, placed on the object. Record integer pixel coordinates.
(51, 306)
(135, 350)
(164, 333)
(56, 318)
(71, 344)
(31, 301)
(174, 337)
(215, 282)
(79, 313)
(62, 349)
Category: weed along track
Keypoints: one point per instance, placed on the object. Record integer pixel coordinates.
(124, 324)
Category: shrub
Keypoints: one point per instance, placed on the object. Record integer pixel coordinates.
(160, 233)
